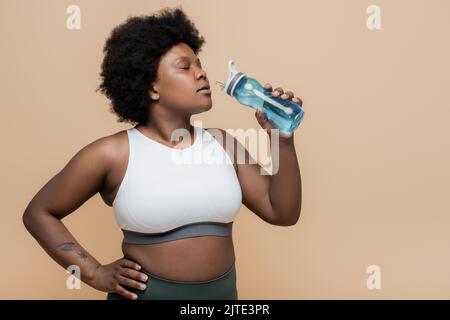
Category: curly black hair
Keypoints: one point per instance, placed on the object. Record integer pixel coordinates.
(132, 56)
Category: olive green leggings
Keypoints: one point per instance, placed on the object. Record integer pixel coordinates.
(220, 288)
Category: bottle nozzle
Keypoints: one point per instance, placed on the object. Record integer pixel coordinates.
(220, 84)
(233, 77)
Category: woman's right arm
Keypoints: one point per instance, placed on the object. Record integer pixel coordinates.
(77, 182)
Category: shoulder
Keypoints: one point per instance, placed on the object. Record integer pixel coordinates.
(105, 150)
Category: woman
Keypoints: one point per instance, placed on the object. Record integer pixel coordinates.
(176, 218)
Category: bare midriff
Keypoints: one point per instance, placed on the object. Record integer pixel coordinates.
(191, 259)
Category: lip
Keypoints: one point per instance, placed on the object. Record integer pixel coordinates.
(204, 91)
(204, 86)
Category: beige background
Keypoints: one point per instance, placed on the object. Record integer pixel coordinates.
(373, 147)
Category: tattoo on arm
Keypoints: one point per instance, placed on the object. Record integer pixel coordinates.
(69, 246)
(83, 255)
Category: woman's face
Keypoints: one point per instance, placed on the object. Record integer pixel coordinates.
(180, 75)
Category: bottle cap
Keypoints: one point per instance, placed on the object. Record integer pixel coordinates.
(233, 78)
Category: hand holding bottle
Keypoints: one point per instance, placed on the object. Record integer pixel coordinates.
(266, 123)
(281, 112)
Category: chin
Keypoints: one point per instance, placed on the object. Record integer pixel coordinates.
(204, 108)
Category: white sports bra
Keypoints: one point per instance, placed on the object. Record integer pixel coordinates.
(169, 194)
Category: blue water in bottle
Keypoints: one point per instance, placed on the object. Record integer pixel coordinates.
(286, 115)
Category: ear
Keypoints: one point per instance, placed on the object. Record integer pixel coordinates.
(153, 94)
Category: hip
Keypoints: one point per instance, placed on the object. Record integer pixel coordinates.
(222, 287)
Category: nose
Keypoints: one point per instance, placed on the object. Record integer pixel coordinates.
(201, 73)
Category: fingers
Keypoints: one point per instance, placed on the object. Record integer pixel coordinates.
(268, 87)
(133, 274)
(123, 292)
(125, 280)
(298, 101)
(129, 264)
(278, 91)
(287, 95)
(127, 276)
(131, 283)
(284, 95)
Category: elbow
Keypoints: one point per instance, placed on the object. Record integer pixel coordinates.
(290, 218)
(293, 222)
(288, 222)
(296, 216)
(27, 218)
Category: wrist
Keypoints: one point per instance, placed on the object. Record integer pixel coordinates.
(287, 141)
(282, 140)
(91, 275)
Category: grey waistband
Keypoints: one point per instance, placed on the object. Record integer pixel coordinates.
(187, 231)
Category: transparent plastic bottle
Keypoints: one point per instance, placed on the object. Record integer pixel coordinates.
(285, 114)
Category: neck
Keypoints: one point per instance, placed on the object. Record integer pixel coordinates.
(162, 124)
